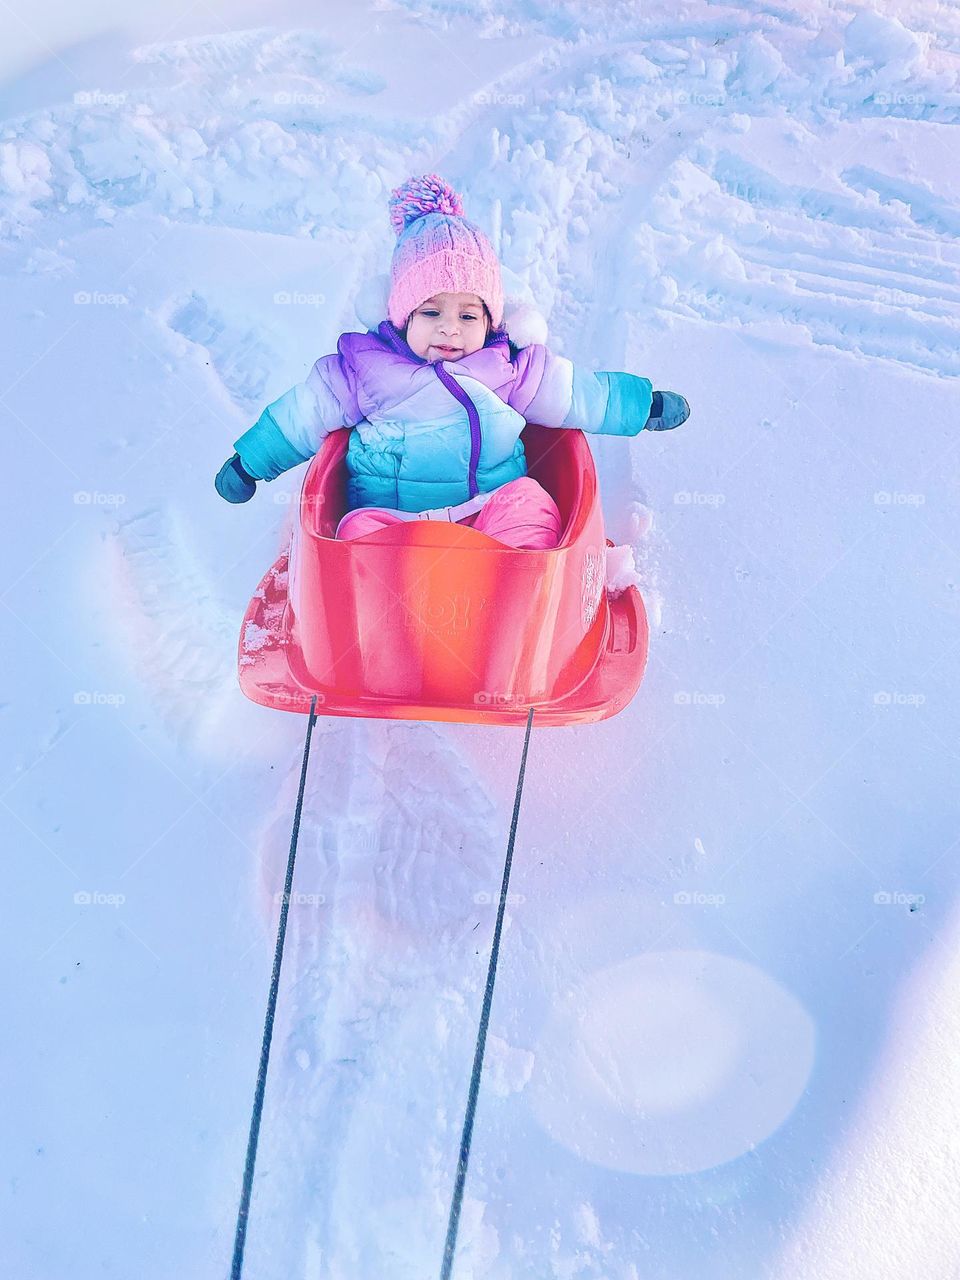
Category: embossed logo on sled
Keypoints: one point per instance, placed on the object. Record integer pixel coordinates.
(592, 580)
(441, 614)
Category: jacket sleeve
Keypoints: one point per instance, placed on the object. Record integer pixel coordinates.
(292, 429)
(551, 390)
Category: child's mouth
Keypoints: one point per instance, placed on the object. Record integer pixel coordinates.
(447, 351)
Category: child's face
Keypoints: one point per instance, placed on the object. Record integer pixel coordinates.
(447, 326)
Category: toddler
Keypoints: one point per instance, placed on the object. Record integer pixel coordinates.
(439, 394)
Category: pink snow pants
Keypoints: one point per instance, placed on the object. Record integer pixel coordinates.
(521, 514)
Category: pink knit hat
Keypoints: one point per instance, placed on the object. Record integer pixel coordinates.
(438, 251)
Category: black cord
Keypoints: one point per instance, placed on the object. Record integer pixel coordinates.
(453, 1223)
(244, 1211)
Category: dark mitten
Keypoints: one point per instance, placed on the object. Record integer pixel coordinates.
(234, 483)
(667, 411)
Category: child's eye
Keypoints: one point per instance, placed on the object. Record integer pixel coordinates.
(464, 316)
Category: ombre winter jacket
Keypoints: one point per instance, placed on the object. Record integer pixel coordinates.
(435, 434)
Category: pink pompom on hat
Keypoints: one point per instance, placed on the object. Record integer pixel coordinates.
(438, 251)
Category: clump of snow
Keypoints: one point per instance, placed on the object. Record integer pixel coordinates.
(48, 262)
(883, 43)
(24, 170)
(25, 177)
(635, 67)
(587, 1224)
(255, 637)
(641, 520)
(759, 66)
(621, 570)
(506, 1068)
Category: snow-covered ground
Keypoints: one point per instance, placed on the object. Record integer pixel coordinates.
(726, 1019)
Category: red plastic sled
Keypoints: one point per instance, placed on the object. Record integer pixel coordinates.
(429, 620)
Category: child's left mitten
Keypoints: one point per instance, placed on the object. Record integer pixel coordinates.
(667, 411)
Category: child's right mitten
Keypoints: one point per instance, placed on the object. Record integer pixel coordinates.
(235, 483)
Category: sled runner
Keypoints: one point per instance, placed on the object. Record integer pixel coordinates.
(431, 620)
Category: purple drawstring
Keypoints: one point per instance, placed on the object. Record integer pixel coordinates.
(454, 387)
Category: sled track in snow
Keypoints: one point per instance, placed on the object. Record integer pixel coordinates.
(879, 280)
(396, 843)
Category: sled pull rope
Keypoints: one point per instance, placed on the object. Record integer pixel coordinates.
(244, 1211)
(467, 1135)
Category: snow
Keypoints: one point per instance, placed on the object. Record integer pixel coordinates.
(723, 1035)
(672, 1062)
(621, 570)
